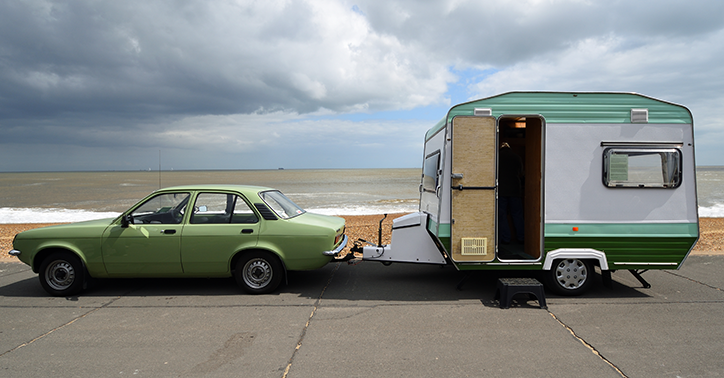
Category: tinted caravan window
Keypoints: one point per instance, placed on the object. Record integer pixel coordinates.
(641, 168)
(430, 171)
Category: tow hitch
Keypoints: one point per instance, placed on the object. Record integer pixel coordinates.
(357, 245)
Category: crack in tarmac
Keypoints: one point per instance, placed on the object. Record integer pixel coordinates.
(589, 346)
(60, 327)
(306, 326)
(106, 305)
(693, 280)
(607, 361)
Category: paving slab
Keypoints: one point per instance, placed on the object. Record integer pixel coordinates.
(654, 340)
(366, 320)
(437, 340)
(703, 269)
(149, 327)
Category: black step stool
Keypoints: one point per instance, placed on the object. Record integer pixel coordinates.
(508, 287)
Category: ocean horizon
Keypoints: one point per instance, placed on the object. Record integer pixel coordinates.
(60, 197)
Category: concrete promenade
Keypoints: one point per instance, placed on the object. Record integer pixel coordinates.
(365, 320)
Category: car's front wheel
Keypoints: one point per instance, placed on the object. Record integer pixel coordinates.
(258, 272)
(62, 274)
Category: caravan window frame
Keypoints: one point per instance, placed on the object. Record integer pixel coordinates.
(649, 164)
(426, 170)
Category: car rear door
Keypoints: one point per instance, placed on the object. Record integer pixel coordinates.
(221, 224)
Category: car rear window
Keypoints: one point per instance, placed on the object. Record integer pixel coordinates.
(280, 204)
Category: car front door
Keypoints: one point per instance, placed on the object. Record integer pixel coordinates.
(151, 244)
(220, 225)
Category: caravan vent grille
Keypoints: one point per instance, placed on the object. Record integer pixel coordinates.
(639, 115)
(483, 112)
(474, 246)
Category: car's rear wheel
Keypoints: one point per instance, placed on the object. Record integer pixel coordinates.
(62, 274)
(258, 272)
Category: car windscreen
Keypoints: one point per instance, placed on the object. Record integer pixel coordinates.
(282, 206)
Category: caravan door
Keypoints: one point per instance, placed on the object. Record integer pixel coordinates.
(474, 152)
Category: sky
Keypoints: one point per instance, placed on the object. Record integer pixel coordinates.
(128, 85)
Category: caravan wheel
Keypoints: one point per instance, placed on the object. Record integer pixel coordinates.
(570, 276)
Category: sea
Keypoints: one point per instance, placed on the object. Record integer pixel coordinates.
(58, 197)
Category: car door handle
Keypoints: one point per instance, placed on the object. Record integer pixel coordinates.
(168, 232)
(247, 231)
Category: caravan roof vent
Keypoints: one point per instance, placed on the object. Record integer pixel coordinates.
(639, 115)
(483, 112)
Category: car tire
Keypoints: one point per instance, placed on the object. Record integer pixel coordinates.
(258, 272)
(62, 274)
(570, 276)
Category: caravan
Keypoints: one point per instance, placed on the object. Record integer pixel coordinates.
(557, 182)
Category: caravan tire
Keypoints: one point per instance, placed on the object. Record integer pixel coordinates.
(570, 276)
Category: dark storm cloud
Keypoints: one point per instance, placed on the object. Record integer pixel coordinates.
(71, 58)
(199, 57)
(151, 58)
(502, 33)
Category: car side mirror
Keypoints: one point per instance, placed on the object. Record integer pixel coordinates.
(126, 220)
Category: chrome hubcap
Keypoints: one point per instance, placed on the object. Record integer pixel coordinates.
(257, 273)
(571, 274)
(60, 275)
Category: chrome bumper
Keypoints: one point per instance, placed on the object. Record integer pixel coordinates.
(14, 252)
(337, 250)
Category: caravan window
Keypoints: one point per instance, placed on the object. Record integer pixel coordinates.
(430, 171)
(641, 168)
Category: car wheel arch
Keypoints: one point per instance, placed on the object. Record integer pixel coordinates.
(45, 252)
(241, 253)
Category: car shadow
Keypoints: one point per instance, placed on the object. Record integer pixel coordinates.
(367, 281)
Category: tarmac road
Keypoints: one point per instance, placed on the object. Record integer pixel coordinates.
(365, 320)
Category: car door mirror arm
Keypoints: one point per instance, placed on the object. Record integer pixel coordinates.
(126, 220)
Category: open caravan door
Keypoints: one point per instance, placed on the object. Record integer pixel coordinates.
(474, 150)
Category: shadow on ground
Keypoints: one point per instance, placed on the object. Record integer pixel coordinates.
(367, 281)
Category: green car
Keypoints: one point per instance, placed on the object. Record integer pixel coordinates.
(252, 233)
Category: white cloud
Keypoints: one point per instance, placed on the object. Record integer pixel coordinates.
(678, 70)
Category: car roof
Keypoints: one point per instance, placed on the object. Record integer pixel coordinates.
(228, 187)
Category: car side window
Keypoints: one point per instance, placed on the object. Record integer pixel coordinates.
(243, 213)
(221, 208)
(167, 208)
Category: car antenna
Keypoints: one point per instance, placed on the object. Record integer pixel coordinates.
(159, 169)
